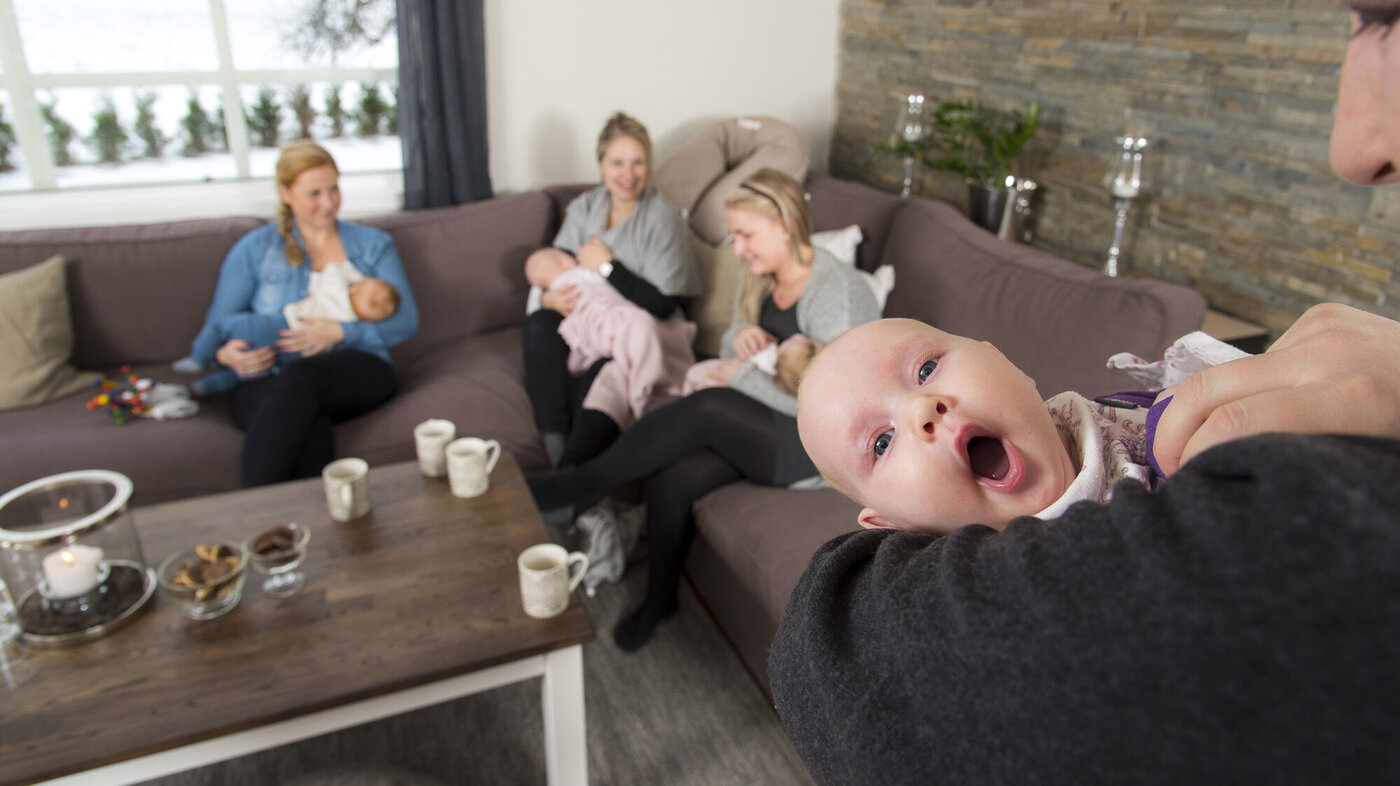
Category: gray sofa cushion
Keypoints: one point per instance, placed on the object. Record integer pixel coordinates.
(131, 289)
(165, 460)
(1048, 315)
(467, 263)
(836, 204)
(477, 382)
(754, 543)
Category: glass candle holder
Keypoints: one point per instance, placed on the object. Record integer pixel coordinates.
(70, 556)
(1125, 181)
(910, 129)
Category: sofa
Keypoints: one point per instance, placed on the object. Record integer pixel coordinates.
(138, 294)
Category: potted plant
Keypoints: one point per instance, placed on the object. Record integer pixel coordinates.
(979, 143)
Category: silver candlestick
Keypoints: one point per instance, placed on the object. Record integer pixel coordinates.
(1126, 183)
(909, 131)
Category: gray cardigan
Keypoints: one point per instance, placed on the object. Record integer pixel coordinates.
(836, 299)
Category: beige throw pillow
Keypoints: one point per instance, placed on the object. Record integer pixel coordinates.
(36, 337)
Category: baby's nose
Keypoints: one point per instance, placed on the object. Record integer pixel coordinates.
(929, 413)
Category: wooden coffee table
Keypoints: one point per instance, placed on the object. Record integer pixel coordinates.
(414, 604)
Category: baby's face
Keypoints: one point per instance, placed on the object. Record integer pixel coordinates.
(372, 299)
(932, 431)
(546, 265)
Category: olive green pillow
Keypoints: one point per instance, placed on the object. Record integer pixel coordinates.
(36, 337)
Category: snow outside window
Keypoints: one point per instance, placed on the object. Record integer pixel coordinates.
(120, 93)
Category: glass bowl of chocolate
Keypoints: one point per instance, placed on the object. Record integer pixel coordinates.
(277, 552)
(205, 581)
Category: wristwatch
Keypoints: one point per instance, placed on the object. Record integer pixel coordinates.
(606, 269)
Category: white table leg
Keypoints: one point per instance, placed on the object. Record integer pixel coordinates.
(565, 735)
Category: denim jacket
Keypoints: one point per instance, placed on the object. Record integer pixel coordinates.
(257, 277)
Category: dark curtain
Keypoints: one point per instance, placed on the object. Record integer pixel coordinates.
(442, 102)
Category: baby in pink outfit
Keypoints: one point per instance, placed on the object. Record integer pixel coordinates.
(649, 357)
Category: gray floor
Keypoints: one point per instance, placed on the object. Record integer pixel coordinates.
(682, 710)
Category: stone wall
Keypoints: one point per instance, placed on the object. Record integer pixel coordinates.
(1238, 102)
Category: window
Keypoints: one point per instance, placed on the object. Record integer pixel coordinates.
(97, 93)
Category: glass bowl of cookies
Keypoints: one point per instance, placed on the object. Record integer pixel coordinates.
(205, 581)
(277, 552)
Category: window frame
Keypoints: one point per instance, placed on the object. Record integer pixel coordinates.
(21, 88)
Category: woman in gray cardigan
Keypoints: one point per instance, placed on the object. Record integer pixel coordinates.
(747, 430)
(627, 232)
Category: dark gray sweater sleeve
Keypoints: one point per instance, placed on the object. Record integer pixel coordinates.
(1240, 625)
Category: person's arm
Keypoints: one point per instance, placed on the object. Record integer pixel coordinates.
(233, 294)
(727, 350)
(533, 300)
(383, 262)
(1337, 370)
(238, 278)
(595, 255)
(835, 301)
(1237, 622)
(642, 292)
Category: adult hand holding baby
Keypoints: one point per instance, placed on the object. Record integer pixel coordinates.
(316, 335)
(1336, 371)
(751, 340)
(593, 253)
(562, 299)
(246, 362)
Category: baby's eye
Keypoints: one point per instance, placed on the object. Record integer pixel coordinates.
(926, 369)
(882, 443)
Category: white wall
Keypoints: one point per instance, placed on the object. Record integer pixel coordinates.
(556, 69)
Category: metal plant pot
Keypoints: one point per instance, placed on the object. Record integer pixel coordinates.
(988, 207)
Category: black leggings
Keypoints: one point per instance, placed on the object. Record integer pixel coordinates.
(287, 416)
(547, 382)
(685, 450)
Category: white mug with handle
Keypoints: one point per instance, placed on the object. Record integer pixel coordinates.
(548, 577)
(430, 439)
(347, 488)
(469, 464)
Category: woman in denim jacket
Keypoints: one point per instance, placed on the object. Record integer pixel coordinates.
(344, 369)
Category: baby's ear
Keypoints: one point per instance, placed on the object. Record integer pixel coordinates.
(870, 519)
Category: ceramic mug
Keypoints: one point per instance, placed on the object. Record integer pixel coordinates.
(547, 577)
(347, 488)
(469, 464)
(430, 438)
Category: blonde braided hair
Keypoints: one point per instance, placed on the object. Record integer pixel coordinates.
(295, 158)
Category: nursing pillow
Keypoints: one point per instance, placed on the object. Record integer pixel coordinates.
(711, 164)
(697, 178)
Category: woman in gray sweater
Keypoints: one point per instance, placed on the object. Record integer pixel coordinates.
(625, 231)
(747, 430)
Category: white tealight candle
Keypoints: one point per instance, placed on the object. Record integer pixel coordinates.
(1125, 189)
(72, 570)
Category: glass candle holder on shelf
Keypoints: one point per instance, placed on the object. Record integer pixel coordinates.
(70, 556)
(1126, 181)
(909, 131)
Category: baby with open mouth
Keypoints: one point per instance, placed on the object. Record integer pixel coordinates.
(932, 431)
